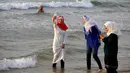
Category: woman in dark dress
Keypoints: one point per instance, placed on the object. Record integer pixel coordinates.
(110, 47)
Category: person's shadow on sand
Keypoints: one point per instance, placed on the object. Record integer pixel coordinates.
(54, 70)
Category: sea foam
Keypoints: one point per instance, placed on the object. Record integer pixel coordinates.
(24, 62)
(28, 5)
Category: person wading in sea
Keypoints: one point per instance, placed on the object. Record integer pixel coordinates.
(59, 41)
(41, 9)
(92, 36)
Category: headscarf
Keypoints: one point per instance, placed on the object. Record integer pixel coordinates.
(112, 28)
(61, 25)
(88, 23)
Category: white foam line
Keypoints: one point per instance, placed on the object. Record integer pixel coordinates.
(68, 4)
(6, 64)
(8, 6)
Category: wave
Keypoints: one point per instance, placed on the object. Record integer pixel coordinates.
(69, 4)
(8, 6)
(24, 62)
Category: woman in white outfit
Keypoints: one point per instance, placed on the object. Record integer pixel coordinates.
(59, 40)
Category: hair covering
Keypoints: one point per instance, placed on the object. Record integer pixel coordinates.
(112, 28)
(88, 23)
(61, 25)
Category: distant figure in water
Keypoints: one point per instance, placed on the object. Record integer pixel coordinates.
(110, 47)
(41, 9)
(92, 36)
(59, 41)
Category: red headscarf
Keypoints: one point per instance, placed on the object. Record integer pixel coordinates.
(60, 23)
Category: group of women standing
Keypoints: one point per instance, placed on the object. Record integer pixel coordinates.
(93, 36)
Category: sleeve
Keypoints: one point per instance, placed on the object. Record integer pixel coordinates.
(54, 18)
(54, 21)
(85, 33)
(105, 40)
(98, 31)
(54, 26)
(64, 38)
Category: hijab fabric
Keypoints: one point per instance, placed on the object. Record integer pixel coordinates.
(61, 25)
(111, 27)
(88, 23)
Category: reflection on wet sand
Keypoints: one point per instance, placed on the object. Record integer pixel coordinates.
(88, 71)
(55, 70)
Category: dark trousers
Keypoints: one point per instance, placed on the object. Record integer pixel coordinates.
(95, 52)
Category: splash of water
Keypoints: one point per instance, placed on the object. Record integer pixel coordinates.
(24, 62)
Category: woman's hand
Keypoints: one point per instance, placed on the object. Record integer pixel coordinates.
(83, 21)
(63, 46)
(53, 18)
(101, 36)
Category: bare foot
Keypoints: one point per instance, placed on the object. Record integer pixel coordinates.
(88, 70)
(100, 70)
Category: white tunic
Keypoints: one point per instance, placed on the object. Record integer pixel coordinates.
(59, 39)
